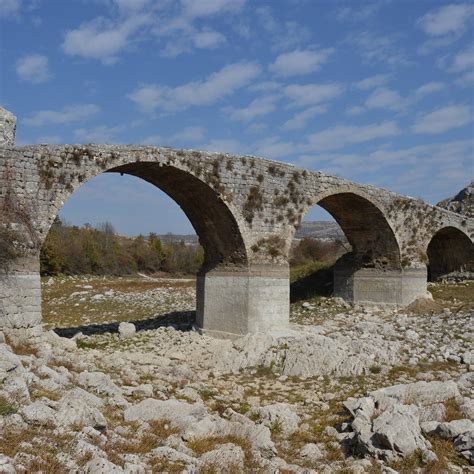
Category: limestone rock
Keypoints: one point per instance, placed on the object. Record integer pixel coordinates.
(101, 466)
(435, 412)
(127, 330)
(7, 128)
(311, 452)
(58, 343)
(38, 413)
(9, 362)
(179, 413)
(279, 416)
(465, 445)
(455, 428)
(79, 407)
(398, 429)
(226, 458)
(6, 465)
(467, 408)
(462, 203)
(172, 455)
(420, 393)
(99, 383)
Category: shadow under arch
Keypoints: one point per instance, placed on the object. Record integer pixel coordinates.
(450, 252)
(372, 267)
(218, 231)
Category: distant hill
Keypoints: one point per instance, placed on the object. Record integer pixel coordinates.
(315, 229)
(188, 239)
(320, 230)
(462, 203)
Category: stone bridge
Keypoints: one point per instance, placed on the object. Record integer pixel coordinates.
(245, 211)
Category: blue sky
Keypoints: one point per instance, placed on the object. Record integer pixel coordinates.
(380, 92)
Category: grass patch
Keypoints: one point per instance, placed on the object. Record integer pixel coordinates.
(449, 292)
(453, 412)
(7, 408)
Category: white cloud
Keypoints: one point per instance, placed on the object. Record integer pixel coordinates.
(342, 135)
(257, 108)
(102, 39)
(300, 119)
(450, 19)
(9, 8)
(273, 147)
(355, 110)
(267, 86)
(101, 134)
(361, 12)
(443, 119)
(310, 94)
(434, 43)
(267, 20)
(300, 62)
(208, 39)
(284, 35)
(407, 170)
(374, 48)
(384, 98)
(71, 113)
(466, 80)
(225, 145)
(216, 86)
(289, 35)
(373, 82)
(464, 60)
(190, 134)
(205, 8)
(429, 88)
(128, 6)
(33, 68)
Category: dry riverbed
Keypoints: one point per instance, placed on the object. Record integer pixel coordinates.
(307, 400)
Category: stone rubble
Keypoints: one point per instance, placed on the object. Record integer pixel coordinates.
(347, 388)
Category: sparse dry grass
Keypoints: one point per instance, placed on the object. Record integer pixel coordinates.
(140, 444)
(62, 310)
(453, 412)
(37, 392)
(444, 450)
(203, 445)
(460, 294)
(22, 349)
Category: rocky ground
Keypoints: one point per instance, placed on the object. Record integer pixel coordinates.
(347, 389)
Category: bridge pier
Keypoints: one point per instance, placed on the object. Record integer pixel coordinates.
(233, 302)
(20, 301)
(371, 285)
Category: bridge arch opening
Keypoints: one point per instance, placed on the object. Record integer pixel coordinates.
(210, 217)
(364, 248)
(450, 253)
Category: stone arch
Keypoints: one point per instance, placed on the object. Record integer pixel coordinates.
(449, 250)
(374, 244)
(213, 219)
(372, 271)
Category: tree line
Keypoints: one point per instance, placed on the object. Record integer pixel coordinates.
(74, 250)
(87, 250)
